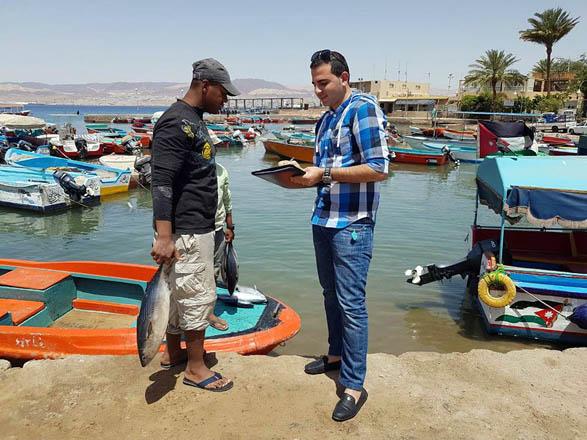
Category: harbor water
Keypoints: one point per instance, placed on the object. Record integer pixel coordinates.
(424, 217)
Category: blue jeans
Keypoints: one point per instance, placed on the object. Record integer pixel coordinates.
(342, 259)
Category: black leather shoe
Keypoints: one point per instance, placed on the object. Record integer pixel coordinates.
(321, 365)
(347, 408)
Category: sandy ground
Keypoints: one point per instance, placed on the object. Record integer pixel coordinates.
(530, 394)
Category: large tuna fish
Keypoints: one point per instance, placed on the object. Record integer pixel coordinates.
(229, 268)
(153, 317)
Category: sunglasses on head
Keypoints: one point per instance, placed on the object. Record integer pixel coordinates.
(328, 56)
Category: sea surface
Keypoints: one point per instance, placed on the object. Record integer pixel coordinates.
(424, 217)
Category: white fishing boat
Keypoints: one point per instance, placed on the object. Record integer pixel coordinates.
(113, 180)
(462, 154)
(122, 162)
(44, 191)
(417, 142)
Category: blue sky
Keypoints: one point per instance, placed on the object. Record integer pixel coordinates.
(63, 41)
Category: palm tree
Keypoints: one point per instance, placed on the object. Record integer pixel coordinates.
(549, 27)
(491, 68)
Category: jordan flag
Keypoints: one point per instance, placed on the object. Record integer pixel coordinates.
(549, 315)
(503, 136)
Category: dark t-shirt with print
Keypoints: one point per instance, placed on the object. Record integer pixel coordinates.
(184, 171)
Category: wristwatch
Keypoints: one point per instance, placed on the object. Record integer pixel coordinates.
(326, 177)
(231, 227)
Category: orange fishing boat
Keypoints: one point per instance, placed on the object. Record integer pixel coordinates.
(54, 309)
(299, 152)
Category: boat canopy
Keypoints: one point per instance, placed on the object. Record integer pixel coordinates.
(22, 122)
(546, 190)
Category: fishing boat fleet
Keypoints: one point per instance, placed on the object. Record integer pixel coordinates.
(45, 168)
(432, 146)
(537, 289)
(49, 310)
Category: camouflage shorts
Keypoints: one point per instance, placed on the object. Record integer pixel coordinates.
(191, 279)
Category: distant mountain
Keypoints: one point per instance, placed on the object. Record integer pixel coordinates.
(247, 85)
(120, 93)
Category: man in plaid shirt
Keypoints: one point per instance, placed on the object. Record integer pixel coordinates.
(351, 158)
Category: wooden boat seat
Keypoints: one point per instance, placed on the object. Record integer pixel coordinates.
(566, 260)
(32, 278)
(20, 310)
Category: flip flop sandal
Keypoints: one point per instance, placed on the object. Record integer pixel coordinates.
(218, 326)
(216, 376)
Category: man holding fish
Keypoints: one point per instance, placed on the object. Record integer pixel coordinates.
(185, 192)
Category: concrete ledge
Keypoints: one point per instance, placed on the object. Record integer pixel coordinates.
(538, 394)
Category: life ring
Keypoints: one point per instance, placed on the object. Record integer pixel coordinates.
(500, 280)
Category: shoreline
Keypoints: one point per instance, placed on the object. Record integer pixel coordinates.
(534, 393)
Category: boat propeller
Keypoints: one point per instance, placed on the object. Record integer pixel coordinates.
(468, 266)
(451, 156)
(415, 274)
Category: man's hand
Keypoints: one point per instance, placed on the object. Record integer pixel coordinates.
(229, 235)
(164, 251)
(312, 177)
(491, 261)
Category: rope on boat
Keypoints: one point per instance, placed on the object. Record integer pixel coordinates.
(543, 303)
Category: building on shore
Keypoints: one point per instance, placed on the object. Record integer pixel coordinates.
(401, 97)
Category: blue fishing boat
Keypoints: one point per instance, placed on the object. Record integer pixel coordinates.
(112, 180)
(106, 130)
(418, 142)
(462, 154)
(539, 290)
(42, 191)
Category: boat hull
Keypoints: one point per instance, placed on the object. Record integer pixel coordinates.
(540, 270)
(419, 142)
(38, 191)
(462, 154)
(419, 157)
(112, 180)
(300, 153)
(277, 324)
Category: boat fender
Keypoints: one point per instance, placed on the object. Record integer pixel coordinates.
(72, 189)
(500, 279)
(579, 316)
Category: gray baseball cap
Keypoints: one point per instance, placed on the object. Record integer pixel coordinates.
(214, 71)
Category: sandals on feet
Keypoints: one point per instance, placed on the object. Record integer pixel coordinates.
(219, 325)
(203, 384)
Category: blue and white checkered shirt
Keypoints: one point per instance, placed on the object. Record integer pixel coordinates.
(353, 134)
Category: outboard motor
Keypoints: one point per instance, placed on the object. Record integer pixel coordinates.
(130, 145)
(72, 189)
(470, 265)
(143, 166)
(82, 147)
(25, 146)
(4, 146)
(451, 155)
